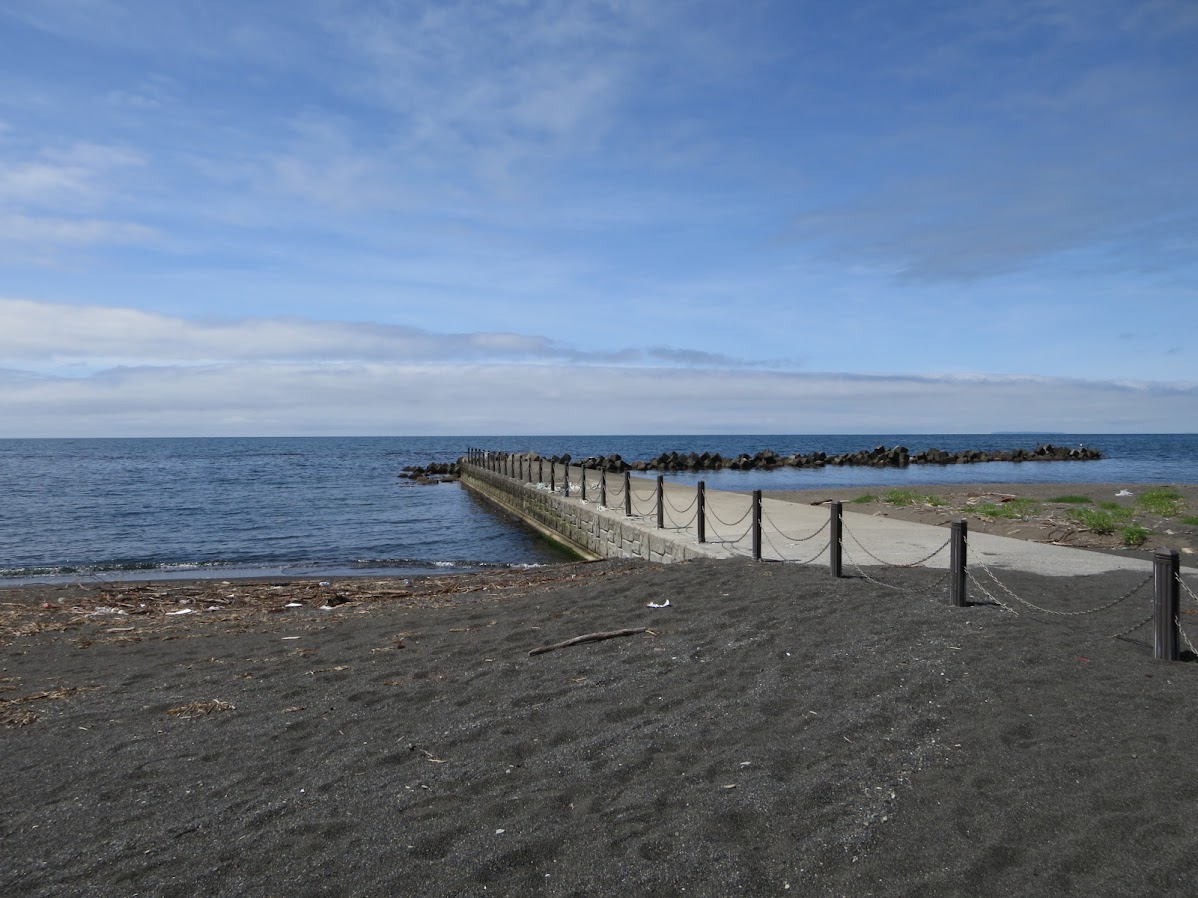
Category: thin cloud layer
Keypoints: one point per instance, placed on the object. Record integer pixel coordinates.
(62, 339)
(291, 399)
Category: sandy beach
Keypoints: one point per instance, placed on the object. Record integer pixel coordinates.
(770, 731)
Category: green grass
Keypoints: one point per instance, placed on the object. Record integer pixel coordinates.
(1134, 535)
(1013, 510)
(1164, 502)
(1115, 507)
(910, 497)
(1190, 520)
(866, 499)
(1072, 500)
(1101, 521)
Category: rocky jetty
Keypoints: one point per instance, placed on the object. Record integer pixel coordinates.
(767, 459)
(432, 473)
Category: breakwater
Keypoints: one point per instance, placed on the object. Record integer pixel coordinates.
(767, 459)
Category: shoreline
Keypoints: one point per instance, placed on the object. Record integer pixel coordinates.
(957, 498)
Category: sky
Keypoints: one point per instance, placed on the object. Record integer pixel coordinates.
(322, 217)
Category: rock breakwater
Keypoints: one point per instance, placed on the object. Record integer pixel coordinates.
(767, 459)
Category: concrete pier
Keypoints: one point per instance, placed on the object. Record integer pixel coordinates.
(789, 531)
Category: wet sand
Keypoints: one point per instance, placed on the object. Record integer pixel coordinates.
(772, 731)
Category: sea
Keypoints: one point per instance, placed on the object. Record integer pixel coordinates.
(90, 510)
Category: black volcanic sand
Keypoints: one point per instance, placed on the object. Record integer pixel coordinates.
(776, 731)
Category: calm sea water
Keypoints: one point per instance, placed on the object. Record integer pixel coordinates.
(160, 508)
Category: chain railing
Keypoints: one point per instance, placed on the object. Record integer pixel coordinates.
(765, 519)
(919, 563)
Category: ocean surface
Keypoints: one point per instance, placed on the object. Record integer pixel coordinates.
(96, 509)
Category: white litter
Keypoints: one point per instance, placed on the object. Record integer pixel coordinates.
(1125, 493)
(294, 605)
(182, 611)
(104, 609)
(665, 604)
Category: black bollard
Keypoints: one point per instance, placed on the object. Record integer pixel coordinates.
(834, 541)
(1166, 566)
(957, 552)
(756, 523)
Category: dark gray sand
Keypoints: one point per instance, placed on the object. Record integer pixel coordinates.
(774, 732)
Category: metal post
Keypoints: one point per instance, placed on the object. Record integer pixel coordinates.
(756, 519)
(1166, 566)
(540, 470)
(700, 518)
(661, 511)
(566, 480)
(583, 474)
(553, 476)
(603, 488)
(834, 541)
(627, 495)
(957, 551)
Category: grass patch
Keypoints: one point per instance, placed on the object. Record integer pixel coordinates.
(866, 499)
(1115, 508)
(1013, 510)
(1164, 502)
(1191, 520)
(1134, 535)
(910, 497)
(1101, 521)
(1072, 500)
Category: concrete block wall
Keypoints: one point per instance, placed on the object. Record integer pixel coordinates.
(591, 530)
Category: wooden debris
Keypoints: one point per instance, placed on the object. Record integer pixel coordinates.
(590, 637)
(193, 710)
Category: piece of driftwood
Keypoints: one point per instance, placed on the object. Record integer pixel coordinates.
(589, 637)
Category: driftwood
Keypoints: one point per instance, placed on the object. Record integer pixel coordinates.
(589, 637)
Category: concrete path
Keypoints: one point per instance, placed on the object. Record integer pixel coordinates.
(796, 532)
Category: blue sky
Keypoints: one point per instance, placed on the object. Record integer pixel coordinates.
(597, 216)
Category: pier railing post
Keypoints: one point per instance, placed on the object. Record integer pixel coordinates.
(834, 540)
(1166, 565)
(553, 477)
(700, 515)
(627, 495)
(566, 480)
(603, 488)
(661, 511)
(540, 470)
(582, 474)
(756, 525)
(958, 544)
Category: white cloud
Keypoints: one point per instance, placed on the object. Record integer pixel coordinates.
(446, 399)
(58, 231)
(55, 337)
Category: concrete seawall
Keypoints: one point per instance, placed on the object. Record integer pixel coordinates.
(583, 527)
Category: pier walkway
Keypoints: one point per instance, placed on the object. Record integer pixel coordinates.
(797, 532)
